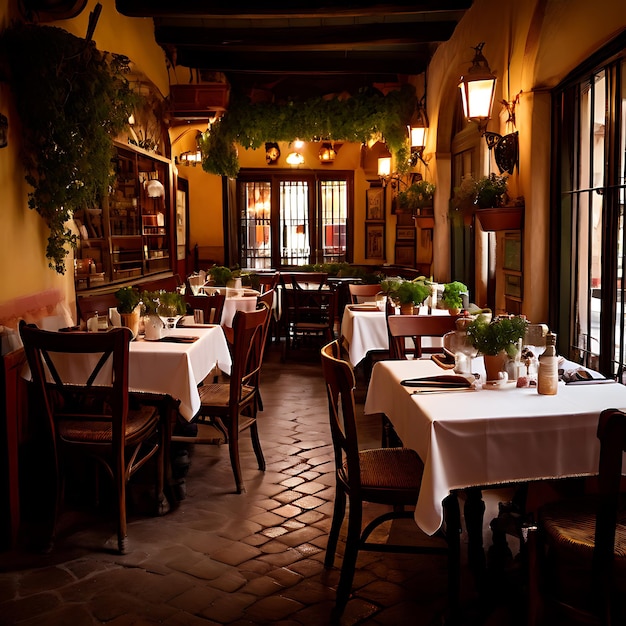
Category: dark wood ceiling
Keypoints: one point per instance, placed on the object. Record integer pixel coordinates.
(300, 48)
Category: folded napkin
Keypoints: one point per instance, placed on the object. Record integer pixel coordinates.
(179, 339)
(445, 381)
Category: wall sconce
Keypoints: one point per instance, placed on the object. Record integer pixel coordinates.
(295, 159)
(418, 128)
(4, 131)
(272, 153)
(384, 166)
(328, 153)
(192, 157)
(477, 94)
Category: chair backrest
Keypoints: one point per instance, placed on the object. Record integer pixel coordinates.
(88, 306)
(310, 306)
(363, 293)
(167, 283)
(211, 306)
(612, 436)
(265, 282)
(414, 327)
(340, 384)
(81, 376)
(305, 280)
(247, 351)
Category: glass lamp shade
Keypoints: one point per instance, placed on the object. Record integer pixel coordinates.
(384, 166)
(477, 94)
(418, 136)
(294, 159)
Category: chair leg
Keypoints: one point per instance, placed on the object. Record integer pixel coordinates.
(349, 557)
(233, 451)
(120, 478)
(256, 445)
(338, 515)
(452, 515)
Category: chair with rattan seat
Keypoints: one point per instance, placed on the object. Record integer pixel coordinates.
(231, 405)
(386, 476)
(413, 328)
(577, 550)
(80, 384)
(363, 292)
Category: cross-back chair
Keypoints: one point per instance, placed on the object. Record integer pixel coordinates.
(363, 293)
(81, 386)
(232, 405)
(211, 306)
(310, 316)
(577, 551)
(386, 476)
(414, 328)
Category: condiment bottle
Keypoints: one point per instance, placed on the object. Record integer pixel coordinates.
(548, 373)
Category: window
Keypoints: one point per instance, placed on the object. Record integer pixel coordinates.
(288, 220)
(590, 123)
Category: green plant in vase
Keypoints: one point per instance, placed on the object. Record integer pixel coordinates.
(220, 275)
(409, 294)
(416, 197)
(128, 307)
(452, 296)
(497, 340)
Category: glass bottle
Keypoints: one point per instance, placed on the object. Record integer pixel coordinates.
(548, 373)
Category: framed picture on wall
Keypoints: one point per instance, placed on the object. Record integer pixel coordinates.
(405, 233)
(512, 252)
(405, 255)
(375, 203)
(375, 241)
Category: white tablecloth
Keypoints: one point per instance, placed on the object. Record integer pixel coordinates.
(232, 305)
(177, 368)
(367, 330)
(491, 436)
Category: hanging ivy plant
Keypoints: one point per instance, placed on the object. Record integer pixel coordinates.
(72, 100)
(364, 116)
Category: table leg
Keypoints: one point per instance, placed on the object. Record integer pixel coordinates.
(474, 512)
(452, 521)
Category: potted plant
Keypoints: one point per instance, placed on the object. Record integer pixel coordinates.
(410, 293)
(452, 296)
(497, 340)
(220, 275)
(128, 308)
(418, 200)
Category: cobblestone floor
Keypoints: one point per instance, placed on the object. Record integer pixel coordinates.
(222, 558)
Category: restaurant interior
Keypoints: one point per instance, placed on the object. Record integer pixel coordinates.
(250, 189)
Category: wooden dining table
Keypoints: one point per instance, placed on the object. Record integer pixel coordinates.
(490, 436)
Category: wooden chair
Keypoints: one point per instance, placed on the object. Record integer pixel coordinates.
(211, 306)
(232, 405)
(363, 293)
(305, 280)
(388, 476)
(166, 283)
(414, 328)
(93, 415)
(309, 319)
(88, 306)
(577, 551)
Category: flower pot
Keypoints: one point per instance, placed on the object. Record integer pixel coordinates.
(495, 364)
(407, 309)
(501, 218)
(454, 311)
(131, 320)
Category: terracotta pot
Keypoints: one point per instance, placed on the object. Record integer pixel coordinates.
(494, 364)
(454, 311)
(407, 309)
(131, 320)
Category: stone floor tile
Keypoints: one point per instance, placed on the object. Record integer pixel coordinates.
(235, 554)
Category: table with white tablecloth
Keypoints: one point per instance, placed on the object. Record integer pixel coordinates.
(365, 329)
(490, 436)
(178, 368)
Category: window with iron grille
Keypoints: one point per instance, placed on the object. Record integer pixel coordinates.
(288, 220)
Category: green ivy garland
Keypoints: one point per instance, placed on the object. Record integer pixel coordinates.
(364, 116)
(72, 100)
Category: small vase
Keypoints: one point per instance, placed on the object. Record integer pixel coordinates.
(407, 309)
(495, 364)
(153, 328)
(131, 320)
(454, 311)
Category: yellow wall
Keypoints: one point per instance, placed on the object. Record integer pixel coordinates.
(23, 235)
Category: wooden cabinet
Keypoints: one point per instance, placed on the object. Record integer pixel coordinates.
(133, 235)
